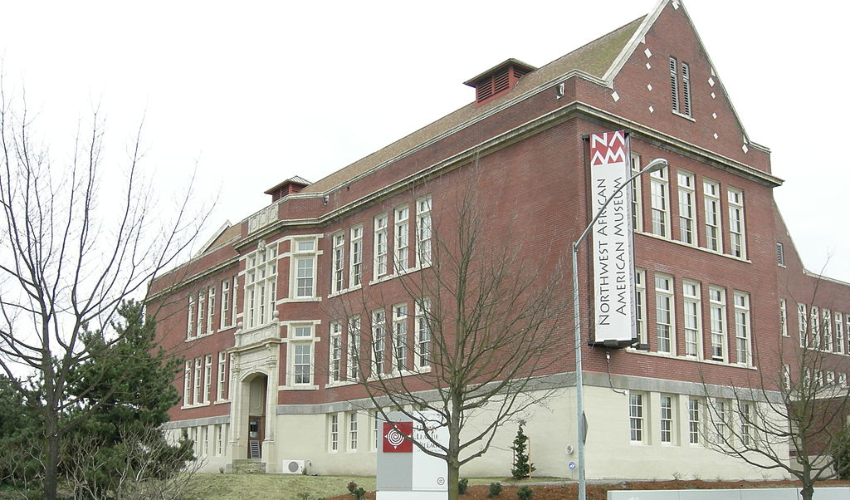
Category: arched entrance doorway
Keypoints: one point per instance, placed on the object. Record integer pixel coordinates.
(256, 388)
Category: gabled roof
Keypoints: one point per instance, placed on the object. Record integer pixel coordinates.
(590, 61)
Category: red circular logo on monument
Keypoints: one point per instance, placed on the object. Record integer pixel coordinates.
(394, 437)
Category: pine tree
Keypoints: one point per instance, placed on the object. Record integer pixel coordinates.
(522, 467)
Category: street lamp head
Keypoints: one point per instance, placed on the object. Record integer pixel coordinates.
(655, 165)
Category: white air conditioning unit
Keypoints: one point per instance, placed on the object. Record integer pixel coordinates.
(295, 467)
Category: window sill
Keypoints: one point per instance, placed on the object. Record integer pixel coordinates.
(689, 359)
(399, 273)
(695, 247)
(341, 383)
(221, 401)
(298, 387)
(198, 405)
(289, 300)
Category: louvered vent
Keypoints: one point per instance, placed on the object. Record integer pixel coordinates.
(498, 80)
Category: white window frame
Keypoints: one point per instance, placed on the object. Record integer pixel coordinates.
(202, 313)
(737, 224)
(304, 252)
(379, 334)
(399, 338)
(423, 232)
(713, 217)
(815, 327)
(335, 374)
(640, 306)
(401, 233)
(743, 329)
(222, 376)
(828, 344)
(333, 432)
(692, 310)
(686, 90)
(694, 429)
(355, 279)
(225, 304)
(207, 378)
(190, 329)
(745, 417)
(839, 333)
(211, 310)
(422, 331)
(637, 200)
(260, 286)
(353, 432)
(717, 326)
(803, 325)
(352, 368)
(660, 202)
(667, 407)
(687, 208)
(381, 246)
(783, 317)
(197, 396)
(780, 254)
(665, 321)
(637, 419)
(187, 384)
(338, 262)
(722, 420)
(301, 338)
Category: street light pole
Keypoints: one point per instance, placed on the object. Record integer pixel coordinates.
(653, 166)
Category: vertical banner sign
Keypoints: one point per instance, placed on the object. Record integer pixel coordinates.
(613, 260)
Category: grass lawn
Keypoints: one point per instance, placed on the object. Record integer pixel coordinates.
(270, 486)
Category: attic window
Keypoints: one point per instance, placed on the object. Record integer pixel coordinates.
(498, 80)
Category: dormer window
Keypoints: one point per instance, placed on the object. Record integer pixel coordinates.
(498, 80)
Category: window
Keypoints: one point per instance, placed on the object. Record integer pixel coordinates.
(356, 257)
(786, 378)
(783, 318)
(780, 255)
(187, 384)
(742, 328)
(636, 417)
(378, 334)
(711, 190)
(637, 202)
(721, 420)
(839, 333)
(353, 348)
(802, 324)
(260, 285)
(222, 376)
(202, 312)
(352, 431)
(423, 231)
(336, 352)
(190, 330)
(746, 423)
(640, 305)
(305, 268)
(693, 330)
(737, 237)
(334, 432)
(842, 380)
(400, 336)
(211, 310)
(338, 256)
(830, 378)
(301, 342)
(221, 432)
(693, 420)
(233, 307)
(197, 386)
(423, 333)
(717, 309)
(815, 325)
(687, 214)
(667, 419)
(659, 203)
(380, 245)
(207, 377)
(402, 238)
(225, 303)
(827, 331)
(376, 419)
(674, 84)
(686, 89)
(664, 313)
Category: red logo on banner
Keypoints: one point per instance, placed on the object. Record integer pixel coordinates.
(607, 148)
(394, 437)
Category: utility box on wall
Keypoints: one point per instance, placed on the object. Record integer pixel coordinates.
(405, 471)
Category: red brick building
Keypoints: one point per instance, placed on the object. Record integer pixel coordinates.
(268, 363)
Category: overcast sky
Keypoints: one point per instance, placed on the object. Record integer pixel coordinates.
(257, 92)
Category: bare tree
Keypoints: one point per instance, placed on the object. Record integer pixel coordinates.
(801, 406)
(488, 321)
(67, 260)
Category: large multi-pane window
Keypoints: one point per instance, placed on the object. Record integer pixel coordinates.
(210, 309)
(202, 313)
(423, 333)
(423, 231)
(338, 263)
(305, 268)
(666, 419)
(746, 423)
(722, 420)
(233, 309)
(636, 417)
(207, 377)
(197, 387)
(379, 332)
(737, 236)
(190, 330)
(187, 384)
(260, 285)
(815, 327)
(301, 342)
(717, 317)
(353, 359)
(839, 333)
(335, 374)
(380, 246)
(402, 238)
(802, 324)
(356, 271)
(400, 336)
(222, 376)
(692, 309)
(660, 203)
(742, 328)
(225, 303)
(713, 240)
(637, 202)
(333, 437)
(827, 331)
(687, 212)
(693, 420)
(783, 317)
(640, 305)
(352, 431)
(664, 313)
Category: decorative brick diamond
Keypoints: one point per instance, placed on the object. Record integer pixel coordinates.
(651, 109)
(649, 87)
(711, 81)
(714, 115)
(745, 149)
(648, 52)
(615, 96)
